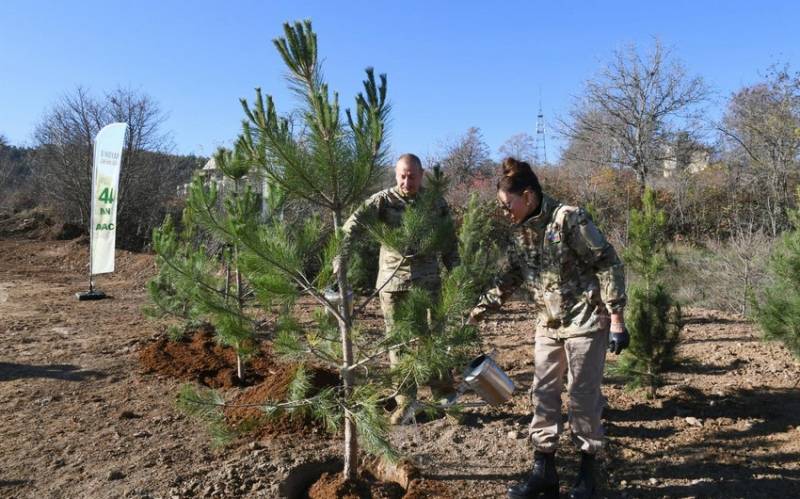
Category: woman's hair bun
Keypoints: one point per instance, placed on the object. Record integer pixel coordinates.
(514, 168)
(518, 177)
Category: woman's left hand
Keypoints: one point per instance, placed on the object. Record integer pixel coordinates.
(618, 337)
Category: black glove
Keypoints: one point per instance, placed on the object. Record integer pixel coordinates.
(618, 341)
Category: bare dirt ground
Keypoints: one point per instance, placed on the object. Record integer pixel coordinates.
(82, 418)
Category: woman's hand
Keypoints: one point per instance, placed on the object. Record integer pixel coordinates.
(618, 337)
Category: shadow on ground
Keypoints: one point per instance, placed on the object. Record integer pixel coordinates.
(67, 372)
(735, 461)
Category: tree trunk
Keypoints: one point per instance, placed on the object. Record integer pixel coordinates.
(653, 385)
(350, 437)
(227, 276)
(238, 282)
(239, 305)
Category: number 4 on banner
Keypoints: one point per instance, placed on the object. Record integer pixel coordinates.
(107, 196)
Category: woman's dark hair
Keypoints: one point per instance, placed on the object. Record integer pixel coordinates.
(518, 177)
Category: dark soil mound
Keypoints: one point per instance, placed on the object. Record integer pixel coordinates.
(367, 486)
(200, 358)
(241, 413)
(429, 489)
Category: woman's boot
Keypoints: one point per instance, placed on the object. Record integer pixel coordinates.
(542, 480)
(585, 486)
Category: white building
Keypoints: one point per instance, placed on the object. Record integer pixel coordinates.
(210, 173)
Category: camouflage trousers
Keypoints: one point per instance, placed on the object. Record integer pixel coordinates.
(583, 359)
(441, 386)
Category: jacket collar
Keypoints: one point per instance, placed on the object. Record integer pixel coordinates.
(397, 192)
(545, 215)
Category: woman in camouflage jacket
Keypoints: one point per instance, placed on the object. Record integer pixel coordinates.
(577, 282)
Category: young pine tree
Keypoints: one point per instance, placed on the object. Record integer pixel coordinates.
(778, 312)
(653, 318)
(329, 164)
(198, 285)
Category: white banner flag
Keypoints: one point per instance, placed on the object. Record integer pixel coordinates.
(105, 181)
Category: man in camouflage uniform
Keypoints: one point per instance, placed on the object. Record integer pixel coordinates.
(398, 273)
(575, 279)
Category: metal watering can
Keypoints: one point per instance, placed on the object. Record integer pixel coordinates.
(482, 375)
(491, 383)
(333, 296)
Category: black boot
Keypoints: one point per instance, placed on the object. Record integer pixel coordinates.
(585, 486)
(543, 479)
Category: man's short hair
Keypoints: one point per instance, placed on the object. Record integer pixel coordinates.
(411, 159)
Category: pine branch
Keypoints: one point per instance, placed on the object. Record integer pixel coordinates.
(185, 274)
(204, 406)
(207, 406)
(382, 352)
(293, 274)
(373, 432)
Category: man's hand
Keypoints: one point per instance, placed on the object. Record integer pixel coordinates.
(618, 338)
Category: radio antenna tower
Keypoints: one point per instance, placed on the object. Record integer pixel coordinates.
(541, 140)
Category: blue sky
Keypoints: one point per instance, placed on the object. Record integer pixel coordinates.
(451, 65)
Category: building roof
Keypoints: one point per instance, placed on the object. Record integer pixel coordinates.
(211, 165)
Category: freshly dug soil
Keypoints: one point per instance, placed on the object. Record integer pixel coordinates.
(381, 479)
(430, 489)
(242, 415)
(366, 487)
(332, 485)
(199, 357)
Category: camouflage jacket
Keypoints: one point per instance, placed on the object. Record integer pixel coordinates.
(421, 270)
(571, 272)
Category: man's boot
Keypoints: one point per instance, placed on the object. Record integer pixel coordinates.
(585, 486)
(406, 411)
(542, 482)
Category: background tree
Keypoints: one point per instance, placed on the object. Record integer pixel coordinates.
(521, 146)
(635, 105)
(148, 176)
(466, 156)
(594, 181)
(653, 318)
(6, 165)
(64, 165)
(465, 160)
(3, 146)
(761, 129)
(16, 192)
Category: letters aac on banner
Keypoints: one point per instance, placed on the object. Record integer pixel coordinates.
(105, 180)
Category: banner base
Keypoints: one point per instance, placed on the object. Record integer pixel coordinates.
(90, 295)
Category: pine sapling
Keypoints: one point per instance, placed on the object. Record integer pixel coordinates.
(652, 316)
(778, 311)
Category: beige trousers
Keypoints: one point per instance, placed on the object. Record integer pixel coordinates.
(440, 387)
(583, 359)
